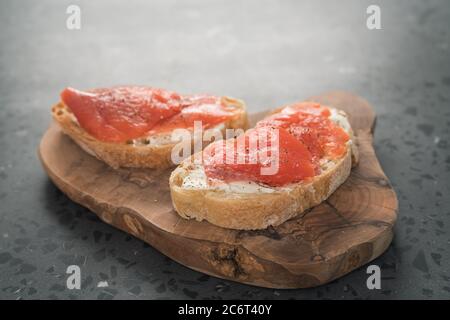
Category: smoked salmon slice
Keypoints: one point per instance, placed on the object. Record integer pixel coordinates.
(294, 159)
(124, 113)
(306, 136)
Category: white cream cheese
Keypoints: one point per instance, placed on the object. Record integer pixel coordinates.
(196, 179)
(166, 138)
(339, 118)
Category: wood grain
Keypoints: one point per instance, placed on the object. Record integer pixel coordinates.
(351, 228)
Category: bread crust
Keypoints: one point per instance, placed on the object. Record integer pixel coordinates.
(119, 155)
(252, 211)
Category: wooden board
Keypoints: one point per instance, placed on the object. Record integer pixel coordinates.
(354, 226)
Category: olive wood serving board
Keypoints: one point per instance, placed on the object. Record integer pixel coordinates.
(351, 228)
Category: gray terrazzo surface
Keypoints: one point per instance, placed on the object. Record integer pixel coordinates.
(266, 52)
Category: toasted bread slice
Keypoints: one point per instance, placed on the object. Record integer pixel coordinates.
(248, 205)
(147, 152)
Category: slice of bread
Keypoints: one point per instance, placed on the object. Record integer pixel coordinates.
(249, 205)
(152, 151)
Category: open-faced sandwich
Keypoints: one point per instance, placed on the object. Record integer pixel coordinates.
(131, 126)
(311, 147)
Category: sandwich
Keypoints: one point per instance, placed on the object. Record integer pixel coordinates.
(132, 126)
(292, 160)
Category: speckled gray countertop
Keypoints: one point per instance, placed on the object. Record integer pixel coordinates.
(265, 52)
